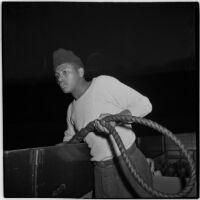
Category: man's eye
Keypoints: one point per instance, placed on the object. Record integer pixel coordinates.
(65, 72)
(57, 76)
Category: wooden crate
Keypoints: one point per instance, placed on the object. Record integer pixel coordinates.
(57, 171)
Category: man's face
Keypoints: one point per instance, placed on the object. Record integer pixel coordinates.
(67, 77)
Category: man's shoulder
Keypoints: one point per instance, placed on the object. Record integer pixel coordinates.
(70, 105)
(105, 78)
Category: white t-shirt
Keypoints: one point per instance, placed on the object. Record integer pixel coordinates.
(105, 95)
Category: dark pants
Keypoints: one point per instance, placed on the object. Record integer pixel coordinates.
(113, 179)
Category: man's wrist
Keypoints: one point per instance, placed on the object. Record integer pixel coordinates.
(126, 112)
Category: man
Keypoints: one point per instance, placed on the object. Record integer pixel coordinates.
(102, 96)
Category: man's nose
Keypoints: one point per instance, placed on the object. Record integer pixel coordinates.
(60, 78)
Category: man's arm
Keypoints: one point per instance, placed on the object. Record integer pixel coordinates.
(127, 98)
(131, 102)
(140, 106)
(70, 132)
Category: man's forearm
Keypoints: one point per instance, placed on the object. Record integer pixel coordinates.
(142, 108)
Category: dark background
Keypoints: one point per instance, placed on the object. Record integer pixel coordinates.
(150, 46)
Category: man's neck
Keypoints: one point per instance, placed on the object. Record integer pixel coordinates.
(82, 86)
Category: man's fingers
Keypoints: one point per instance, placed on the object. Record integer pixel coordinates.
(113, 124)
(100, 128)
(101, 116)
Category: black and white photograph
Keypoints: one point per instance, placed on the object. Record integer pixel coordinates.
(100, 100)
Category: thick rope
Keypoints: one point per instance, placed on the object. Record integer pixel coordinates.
(130, 119)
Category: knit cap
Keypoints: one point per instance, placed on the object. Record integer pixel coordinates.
(61, 56)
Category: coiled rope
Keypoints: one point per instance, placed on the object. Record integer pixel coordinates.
(124, 119)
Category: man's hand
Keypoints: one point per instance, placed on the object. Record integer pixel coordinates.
(99, 127)
(125, 112)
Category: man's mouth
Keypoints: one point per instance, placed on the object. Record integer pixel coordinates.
(63, 85)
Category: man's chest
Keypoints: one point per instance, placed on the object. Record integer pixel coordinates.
(82, 114)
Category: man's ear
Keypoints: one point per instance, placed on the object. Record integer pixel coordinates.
(81, 72)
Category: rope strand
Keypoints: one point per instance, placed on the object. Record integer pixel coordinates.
(131, 119)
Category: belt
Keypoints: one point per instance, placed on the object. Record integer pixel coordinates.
(129, 151)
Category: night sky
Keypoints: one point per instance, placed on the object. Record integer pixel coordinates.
(150, 46)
